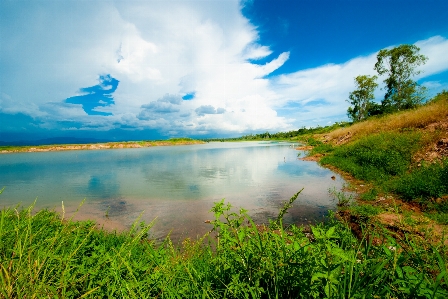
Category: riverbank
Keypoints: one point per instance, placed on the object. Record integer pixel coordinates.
(398, 164)
(98, 146)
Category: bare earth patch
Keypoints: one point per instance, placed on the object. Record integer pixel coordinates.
(98, 146)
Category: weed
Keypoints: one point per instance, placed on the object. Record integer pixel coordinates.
(369, 195)
(365, 210)
(343, 200)
(42, 256)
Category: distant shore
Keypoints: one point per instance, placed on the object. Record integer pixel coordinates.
(97, 146)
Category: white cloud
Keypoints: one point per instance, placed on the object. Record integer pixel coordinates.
(161, 51)
(334, 82)
(436, 49)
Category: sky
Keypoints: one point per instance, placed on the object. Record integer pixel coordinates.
(139, 70)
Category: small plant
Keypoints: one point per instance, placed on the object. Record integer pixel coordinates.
(343, 200)
(366, 211)
(279, 221)
(370, 195)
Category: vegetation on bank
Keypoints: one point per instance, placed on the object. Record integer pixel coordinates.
(42, 255)
(290, 135)
(405, 153)
(96, 146)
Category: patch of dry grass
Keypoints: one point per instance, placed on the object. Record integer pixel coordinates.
(434, 113)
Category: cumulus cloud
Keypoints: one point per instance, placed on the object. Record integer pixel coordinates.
(208, 109)
(332, 83)
(436, 49)
(167, 104)
(188, 67)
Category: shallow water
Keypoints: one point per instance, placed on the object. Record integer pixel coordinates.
(175, 184)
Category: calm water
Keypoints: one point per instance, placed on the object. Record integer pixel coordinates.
(175, 184)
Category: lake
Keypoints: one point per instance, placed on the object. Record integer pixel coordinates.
(176, 185)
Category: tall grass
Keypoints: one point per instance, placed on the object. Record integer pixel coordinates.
(433, 111)
(44, 256)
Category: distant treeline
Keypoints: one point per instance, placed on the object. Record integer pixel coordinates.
(284, 135)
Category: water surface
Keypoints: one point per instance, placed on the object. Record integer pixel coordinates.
(175, 184)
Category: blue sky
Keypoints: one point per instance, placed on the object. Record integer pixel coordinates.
(127, 70)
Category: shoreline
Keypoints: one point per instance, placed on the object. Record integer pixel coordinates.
(94, 146)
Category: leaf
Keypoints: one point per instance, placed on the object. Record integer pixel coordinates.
(318, 275)
(330, 232)
(316, 232)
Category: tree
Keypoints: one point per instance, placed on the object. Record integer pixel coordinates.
(399, 65)
(361, 98)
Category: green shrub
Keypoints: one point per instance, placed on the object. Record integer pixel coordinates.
(429, 181)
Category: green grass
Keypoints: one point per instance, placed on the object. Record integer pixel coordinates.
(376, 157)
(42, 255)
(385, 159)
(428, 181)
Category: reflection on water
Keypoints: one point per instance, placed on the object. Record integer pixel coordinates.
(175, 184)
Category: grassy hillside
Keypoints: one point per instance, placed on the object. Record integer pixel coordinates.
(403, 156)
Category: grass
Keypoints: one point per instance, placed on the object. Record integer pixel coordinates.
(42, 255)
(433, 111)
(385, 159)
(387, 153)
(376, 157)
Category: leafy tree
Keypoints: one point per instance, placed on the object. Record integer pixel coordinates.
(399, 64)
(361, 98)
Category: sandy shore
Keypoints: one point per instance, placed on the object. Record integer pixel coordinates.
(95, 146)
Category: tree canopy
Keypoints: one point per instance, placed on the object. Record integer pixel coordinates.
(399, 65)
(361, 98)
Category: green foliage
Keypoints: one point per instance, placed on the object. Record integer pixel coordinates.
(43, 256)
(376, 157)
(313, 142)
(279, 221)
(369, 195)
(179, 139)
(385, 159)
(322, 149)
(428, 181)
(439, 217)
(441, 96)
(361, 98)
(399, 65)
(342, 200)
(366, 210)
(285, 135)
